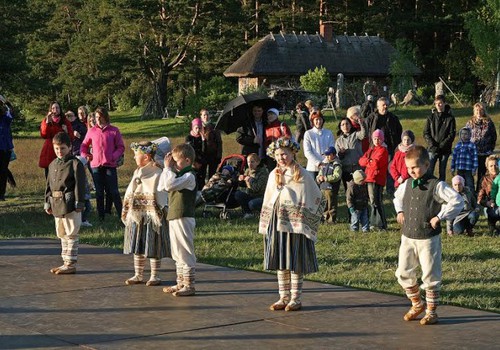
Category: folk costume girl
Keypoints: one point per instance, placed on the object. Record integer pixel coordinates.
(144, 207)
(290, 216)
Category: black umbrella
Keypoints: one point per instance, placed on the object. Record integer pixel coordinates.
(237, 111)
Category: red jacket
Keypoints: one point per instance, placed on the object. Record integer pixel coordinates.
(398, 168)
(375, 161)
(48, 131)
(275, 130)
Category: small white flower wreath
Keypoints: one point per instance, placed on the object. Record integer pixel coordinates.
(282, 142)
(151, 149)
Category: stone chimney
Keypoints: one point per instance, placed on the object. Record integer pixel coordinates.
(326, 31)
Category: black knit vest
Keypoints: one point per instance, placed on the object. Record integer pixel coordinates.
(419, 207)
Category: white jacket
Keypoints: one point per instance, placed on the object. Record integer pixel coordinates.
(316, 142)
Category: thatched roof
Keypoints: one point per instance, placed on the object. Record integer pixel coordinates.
(291, 54)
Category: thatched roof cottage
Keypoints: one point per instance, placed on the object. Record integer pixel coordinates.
(281, 57)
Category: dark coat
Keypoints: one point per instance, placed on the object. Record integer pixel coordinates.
(390, 125)
(439, 131)
(246, 134)
(65, 190)
(77, 125)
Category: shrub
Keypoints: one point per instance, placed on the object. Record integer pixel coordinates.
(317, 81)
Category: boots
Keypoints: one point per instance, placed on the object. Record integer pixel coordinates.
(417, 306)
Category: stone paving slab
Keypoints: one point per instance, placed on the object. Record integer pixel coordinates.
(94, 309)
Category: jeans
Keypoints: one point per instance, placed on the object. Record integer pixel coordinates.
(248, 202)
(106, 178)
(443, 160)
(377, 211)
(360, 217)
(466, 223)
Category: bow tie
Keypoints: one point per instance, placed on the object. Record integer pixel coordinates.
(418, 182)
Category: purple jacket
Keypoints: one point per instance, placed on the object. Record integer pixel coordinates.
(107, 146)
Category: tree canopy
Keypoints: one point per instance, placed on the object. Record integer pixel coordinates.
(159, 54)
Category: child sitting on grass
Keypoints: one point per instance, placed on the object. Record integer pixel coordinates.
(143, 213)
(484, 197)
(467, 218)
(421, 204)
(65, 200)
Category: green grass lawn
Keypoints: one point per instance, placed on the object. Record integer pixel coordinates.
(471, 266)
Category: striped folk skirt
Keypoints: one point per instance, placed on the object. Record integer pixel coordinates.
(143, 239)
(288, 251)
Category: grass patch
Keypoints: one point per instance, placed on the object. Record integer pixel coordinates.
(368, 261)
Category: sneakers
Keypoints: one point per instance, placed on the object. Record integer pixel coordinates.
(184, 291)
(429, 319)
(133, 280)
(279, 305)
(86, 224)
(247, 216)
(414, 312)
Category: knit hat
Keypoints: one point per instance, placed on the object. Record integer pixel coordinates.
(410, 134)
(457, 179)
(358, 176)
(273, 110)
(378, 133)
(228, 168)
(330, 150)
(196, 122)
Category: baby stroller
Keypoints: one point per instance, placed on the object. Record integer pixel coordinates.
(222, 201)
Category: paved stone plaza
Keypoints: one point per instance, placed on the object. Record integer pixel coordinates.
(94, 309)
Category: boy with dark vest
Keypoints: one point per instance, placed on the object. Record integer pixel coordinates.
(65, 200)
(422, 202)
(179, 181)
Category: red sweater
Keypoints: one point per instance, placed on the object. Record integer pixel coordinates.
(375, 161)
(398, 167)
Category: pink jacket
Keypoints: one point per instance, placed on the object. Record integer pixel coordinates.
(107, 146)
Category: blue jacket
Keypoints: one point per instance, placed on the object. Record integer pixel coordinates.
(5, 132)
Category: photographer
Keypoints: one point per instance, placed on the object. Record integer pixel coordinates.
(54, 122)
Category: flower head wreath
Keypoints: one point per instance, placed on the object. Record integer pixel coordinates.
(150, 149)
(282, 142)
